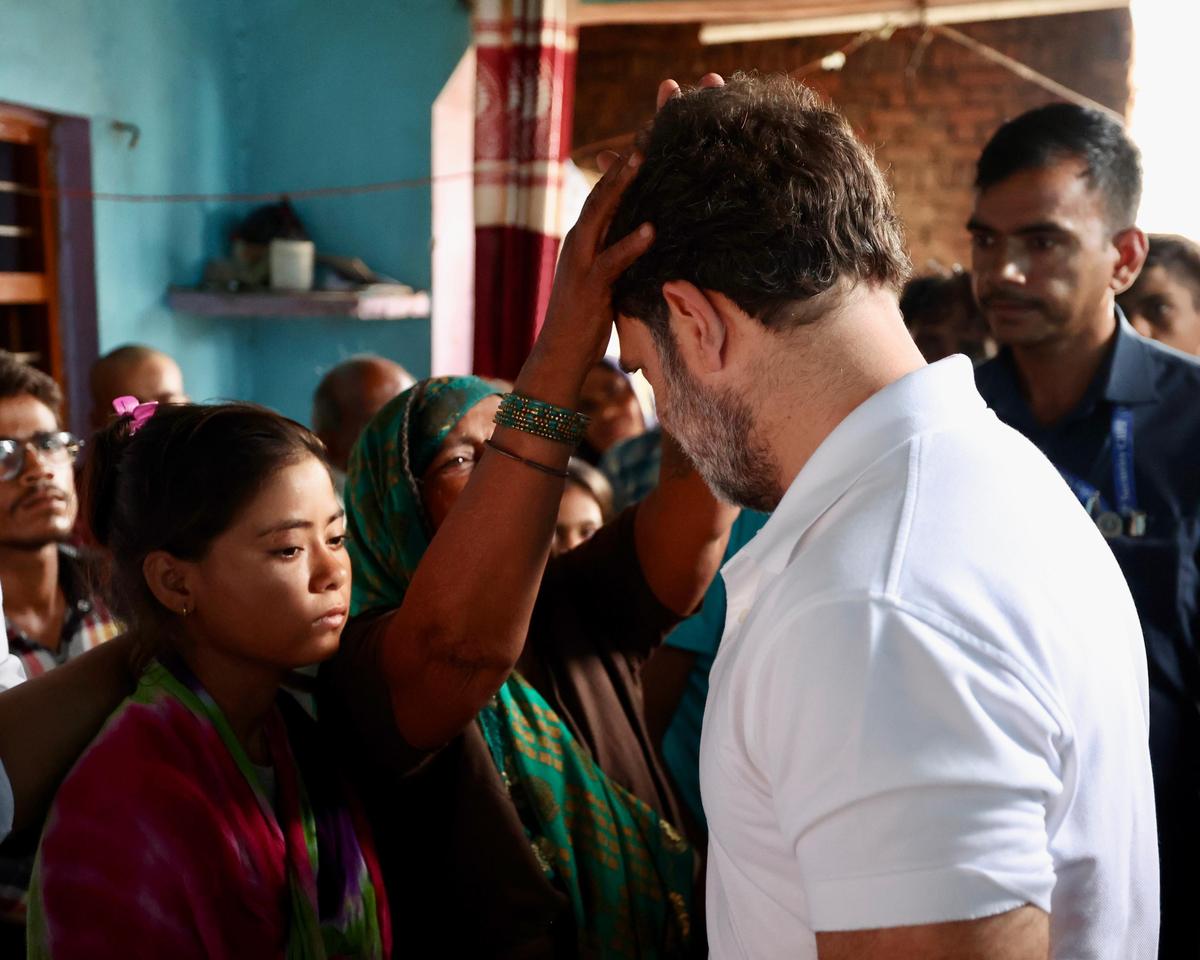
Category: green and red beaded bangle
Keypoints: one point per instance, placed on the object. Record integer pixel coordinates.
(541, 419)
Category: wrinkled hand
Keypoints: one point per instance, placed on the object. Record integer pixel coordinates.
(580, 315)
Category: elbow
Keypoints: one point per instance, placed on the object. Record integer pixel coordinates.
(465, 649)
(445, 679)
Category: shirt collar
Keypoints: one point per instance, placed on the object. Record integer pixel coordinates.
(73, 581)
(1125, 377)
(930, 397)
(1131, 374)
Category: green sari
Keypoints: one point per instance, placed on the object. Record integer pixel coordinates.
(626, 871)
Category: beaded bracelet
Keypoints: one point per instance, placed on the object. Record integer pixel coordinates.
(543, 420)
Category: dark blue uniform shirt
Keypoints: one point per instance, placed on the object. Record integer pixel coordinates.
(1160, 387)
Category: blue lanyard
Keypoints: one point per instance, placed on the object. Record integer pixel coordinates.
(1122, 468)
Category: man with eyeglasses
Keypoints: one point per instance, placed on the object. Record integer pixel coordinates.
(50, 613)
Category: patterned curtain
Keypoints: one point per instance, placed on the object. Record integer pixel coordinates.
(524, 97)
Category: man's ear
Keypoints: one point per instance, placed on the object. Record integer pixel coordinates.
(1132, 247)
(698, 327)
(167, 578)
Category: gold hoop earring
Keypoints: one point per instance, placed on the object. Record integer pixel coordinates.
(185, 611)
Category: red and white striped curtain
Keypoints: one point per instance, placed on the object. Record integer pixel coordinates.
(524, 99)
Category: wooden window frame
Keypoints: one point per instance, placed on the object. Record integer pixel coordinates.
(67, 284)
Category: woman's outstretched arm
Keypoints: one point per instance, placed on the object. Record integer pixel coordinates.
(466, 613)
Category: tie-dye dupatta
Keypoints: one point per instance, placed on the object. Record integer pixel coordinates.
(293, 876)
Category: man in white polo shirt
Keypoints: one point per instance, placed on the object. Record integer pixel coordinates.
(926, 733)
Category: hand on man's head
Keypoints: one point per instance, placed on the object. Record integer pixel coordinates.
(669, 89)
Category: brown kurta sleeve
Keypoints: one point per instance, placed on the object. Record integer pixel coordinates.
(355, 707)
(604, 582)
(461, 878)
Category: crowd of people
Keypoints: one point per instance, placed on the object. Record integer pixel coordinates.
(454, 673)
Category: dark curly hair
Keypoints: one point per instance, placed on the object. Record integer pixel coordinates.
(760, 191)
(18, 379)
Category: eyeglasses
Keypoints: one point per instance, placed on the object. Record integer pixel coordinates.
(60, 446)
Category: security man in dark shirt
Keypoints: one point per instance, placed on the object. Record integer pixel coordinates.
(1054, 241)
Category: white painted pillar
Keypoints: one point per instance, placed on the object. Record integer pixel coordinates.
(1165, 121)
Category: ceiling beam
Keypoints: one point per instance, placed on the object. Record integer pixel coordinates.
(717, 33)
(820, 17)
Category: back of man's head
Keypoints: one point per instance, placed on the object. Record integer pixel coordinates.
(760, 191)
(349, 395)
(134, 370)
(1179, 256)
(1063, 131)
(18, 379)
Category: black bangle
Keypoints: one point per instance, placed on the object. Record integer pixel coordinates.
(541, 467)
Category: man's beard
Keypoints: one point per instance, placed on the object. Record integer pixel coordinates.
(716, 430)
(51, 533)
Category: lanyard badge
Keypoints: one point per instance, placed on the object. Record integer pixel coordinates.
(1126, 518)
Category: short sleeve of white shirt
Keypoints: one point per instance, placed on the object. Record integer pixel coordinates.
(910, 767)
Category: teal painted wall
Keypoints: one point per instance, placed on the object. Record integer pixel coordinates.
(164, 65)
(244, 96)
(342, 93)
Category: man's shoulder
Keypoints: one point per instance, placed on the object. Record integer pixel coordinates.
(837, 634)
(1174, 371)
(1170, 420)
(992, 373)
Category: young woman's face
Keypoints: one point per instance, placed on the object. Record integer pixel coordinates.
(579, 516)
(274, 588)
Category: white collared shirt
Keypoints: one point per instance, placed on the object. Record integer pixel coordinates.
(11, 672)
(930, 702)
(10, 675)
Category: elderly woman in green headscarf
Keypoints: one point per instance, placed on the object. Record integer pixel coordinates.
(491, 704)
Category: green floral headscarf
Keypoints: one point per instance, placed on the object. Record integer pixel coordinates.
(384, 513)
(626, 871)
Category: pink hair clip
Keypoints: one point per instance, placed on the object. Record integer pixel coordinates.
(138, 413)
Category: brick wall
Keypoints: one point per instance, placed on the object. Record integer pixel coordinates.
(927, 132)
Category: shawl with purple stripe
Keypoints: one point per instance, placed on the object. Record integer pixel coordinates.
(163, 843)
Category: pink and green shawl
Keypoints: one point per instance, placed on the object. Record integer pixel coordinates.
(163, 842)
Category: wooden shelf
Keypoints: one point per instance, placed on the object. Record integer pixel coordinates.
(369, 303)
(22, 288)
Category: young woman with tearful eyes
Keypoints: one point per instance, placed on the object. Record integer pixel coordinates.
(207, 820)
(491, 701)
